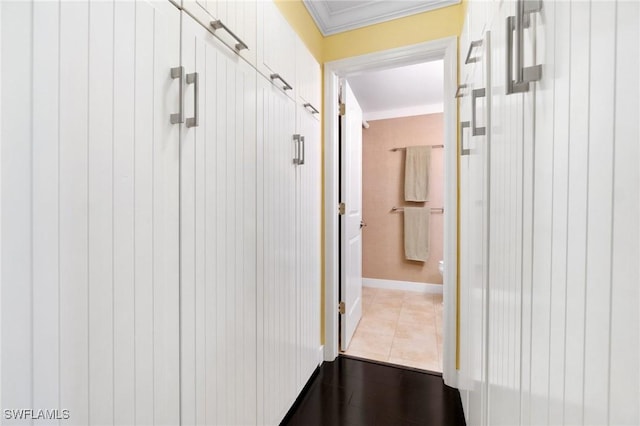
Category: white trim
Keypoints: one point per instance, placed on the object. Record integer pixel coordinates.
(446, 49)
(404, 112)
(320, 356)
(366, 13)
(424, 288)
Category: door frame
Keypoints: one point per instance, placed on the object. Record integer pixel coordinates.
(442, 49)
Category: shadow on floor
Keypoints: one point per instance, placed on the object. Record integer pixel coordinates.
(350, 391)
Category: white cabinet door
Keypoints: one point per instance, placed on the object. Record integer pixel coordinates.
(309, 191)
(277, 300)
(308, 80)
(90, 165)
(235, 23)
(475, 133)
(276, 48)
(505, 234)
(218, 233)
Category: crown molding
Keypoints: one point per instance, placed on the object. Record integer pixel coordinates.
(366, 12)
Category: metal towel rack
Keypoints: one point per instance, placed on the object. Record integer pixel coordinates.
(433, 210)
(404, 147)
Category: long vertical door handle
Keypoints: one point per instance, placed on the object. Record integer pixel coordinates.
(195, 120)
(463, 150)
(510, 84)
(296, 142)
(523, 20)
(178, 117)
(475, 130)
(304, 145)
(523, 75)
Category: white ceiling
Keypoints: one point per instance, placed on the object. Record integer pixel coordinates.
(335, 16)
(400, 92)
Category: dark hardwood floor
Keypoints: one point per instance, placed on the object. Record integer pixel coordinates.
(351, 392)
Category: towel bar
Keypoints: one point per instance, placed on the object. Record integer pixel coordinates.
(404, 147)
(433, 210)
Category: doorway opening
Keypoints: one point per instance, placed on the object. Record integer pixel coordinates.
(439, 299)
(401, 183)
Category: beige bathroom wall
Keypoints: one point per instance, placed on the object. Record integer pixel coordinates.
(383, 188)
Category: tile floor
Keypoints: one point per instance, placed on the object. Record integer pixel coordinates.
(400, 327)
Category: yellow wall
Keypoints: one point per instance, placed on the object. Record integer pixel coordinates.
(414, 29)
(299, 18)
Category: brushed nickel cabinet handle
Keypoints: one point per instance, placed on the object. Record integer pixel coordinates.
(240, 45)
(195, 120)
(473, 45)
(463, 151)
(276, 76)
(296, 141)
(178, 117)
(475, 94)
(523, 75)
(311, 108)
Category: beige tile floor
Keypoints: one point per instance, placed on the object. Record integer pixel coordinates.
(400, 327)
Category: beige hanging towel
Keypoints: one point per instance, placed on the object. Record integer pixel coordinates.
(416, 173)
(416, 233)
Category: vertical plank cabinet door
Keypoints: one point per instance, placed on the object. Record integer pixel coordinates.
(478, 225)
(238, 27)
(465, 244)
(235, 23)
(90, 243)
(218, 233)
(505, 234)
(308, 224)
(308, 79)
(16, 32)
(277, 248)
(276, 48)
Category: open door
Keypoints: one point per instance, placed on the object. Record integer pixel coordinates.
(351, 216)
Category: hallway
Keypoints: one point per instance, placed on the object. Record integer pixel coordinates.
(354, 392)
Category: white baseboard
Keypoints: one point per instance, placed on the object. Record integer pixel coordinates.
(402, 285)
(320, 354)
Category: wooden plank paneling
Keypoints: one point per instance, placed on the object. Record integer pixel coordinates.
(45, 145)
(624, 349)
(143, 212)
(100, 211)
(16, 181)
(218, 236)
(123, 213)
(599, 212)
(560, 216)
(166, 204)
(276, 230)
(577, 204)
(74, 95)
(543, 32)
(573, 353)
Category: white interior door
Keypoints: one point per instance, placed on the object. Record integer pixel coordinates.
(350, 235)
